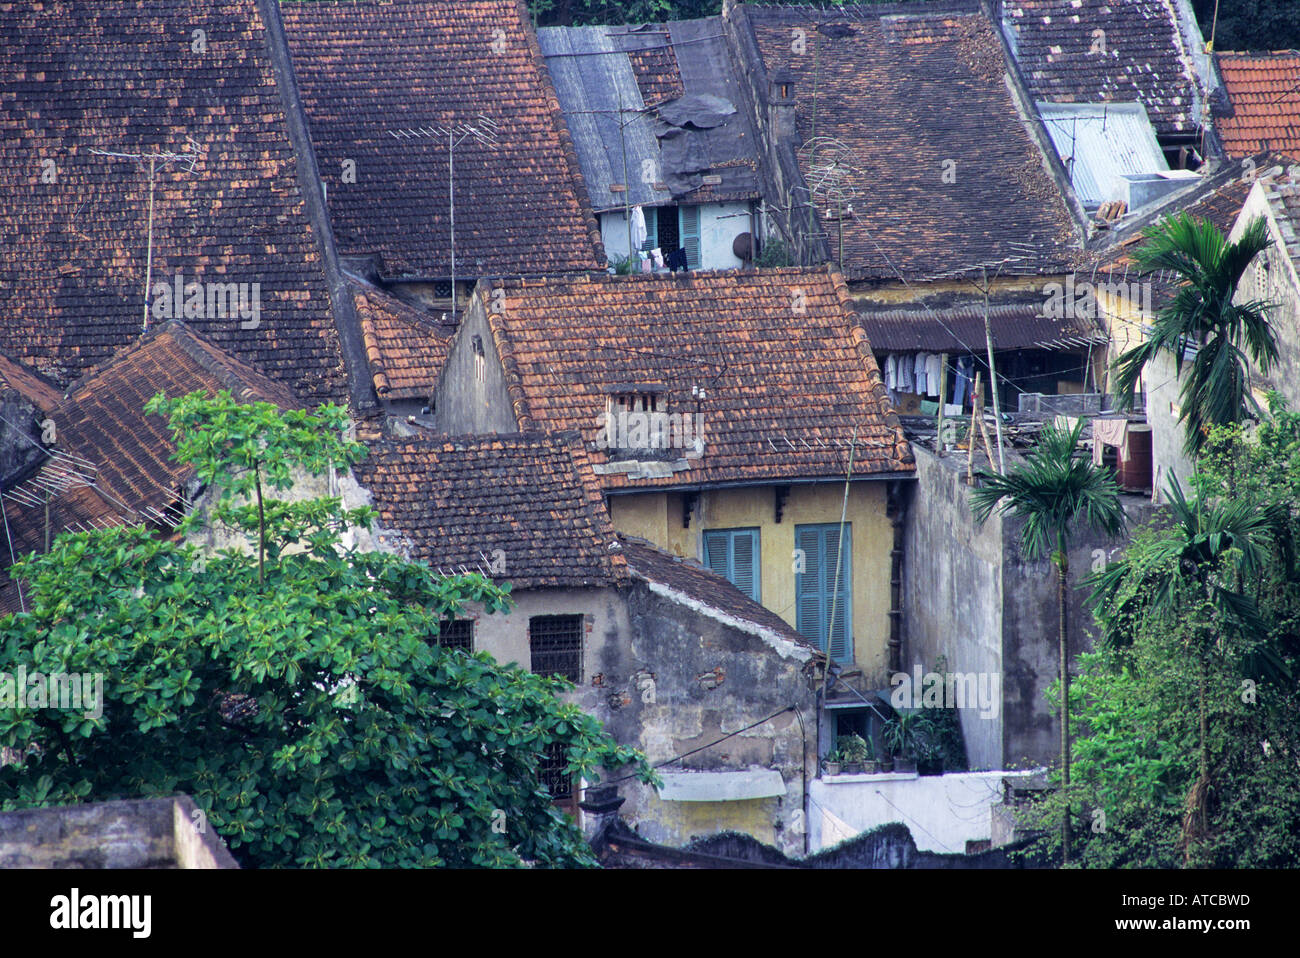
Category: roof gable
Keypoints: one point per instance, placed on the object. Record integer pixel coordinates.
(787, 377)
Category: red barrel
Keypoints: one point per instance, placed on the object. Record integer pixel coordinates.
(1135, 460)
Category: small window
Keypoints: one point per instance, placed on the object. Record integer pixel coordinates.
(562, 787)
(457, 634)
(733, 554)
(555, 645)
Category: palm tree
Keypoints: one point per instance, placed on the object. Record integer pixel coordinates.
(1203, 317)
(1054, 490)
(1204, 555)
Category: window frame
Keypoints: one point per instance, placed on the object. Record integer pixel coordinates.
(756, 554)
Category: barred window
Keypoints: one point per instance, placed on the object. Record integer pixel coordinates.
(555, 642)
(457, 634)
(550, 772)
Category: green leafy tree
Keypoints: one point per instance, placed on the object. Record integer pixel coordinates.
(1055, 491)
(292, 686)
(1202, 315)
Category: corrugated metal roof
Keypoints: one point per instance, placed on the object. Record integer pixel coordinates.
(598, 93)
(1099, 143)
(682, 140)
(960, 329)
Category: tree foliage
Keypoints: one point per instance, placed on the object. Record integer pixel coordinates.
(295, 687)
(1187, 718)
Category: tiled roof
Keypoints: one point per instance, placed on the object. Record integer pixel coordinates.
(368, 67)
(787, 373)
(689, 578)
(1264, 89)
(405, 347)
(130, 77)
(946, 176)
(122, 457)
(1140, 54)
(43, 394)
(960, 329)
(454, 502)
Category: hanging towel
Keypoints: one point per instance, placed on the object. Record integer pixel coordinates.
(891, 372)
(638, 230)
(906, 363)
(922, 386)
(1108, 432)
(963, 380)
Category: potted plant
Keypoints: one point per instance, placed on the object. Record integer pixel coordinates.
(859, 752)
(928, 748)
(899, 735)
(849, 754)
(831, 763)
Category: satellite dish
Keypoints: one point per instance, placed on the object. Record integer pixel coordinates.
(742, 247)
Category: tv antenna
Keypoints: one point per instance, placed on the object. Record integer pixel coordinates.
(483, 130)
(832, 174)
(162, 158)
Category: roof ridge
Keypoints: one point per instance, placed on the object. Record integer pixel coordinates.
(506, 354)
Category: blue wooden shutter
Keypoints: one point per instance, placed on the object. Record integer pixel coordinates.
(651, 228)
(818, 596)
(734, 555)
(690, 235)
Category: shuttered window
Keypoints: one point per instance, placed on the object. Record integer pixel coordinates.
(733, 554)
(691, 235)
(818, 595)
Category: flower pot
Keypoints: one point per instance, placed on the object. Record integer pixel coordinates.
(870, 767)
(832, 768)
(905, 765)
(852, 768)
(887, 765)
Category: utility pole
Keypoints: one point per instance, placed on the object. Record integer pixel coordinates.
(993, 374)
(484, 130)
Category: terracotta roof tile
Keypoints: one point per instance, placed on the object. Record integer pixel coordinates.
(455, 501)
(369, 67)
(788, 374)
(906, 90)
(123, 456)
(1264, 89)
(1141, 54)
(125, 77)
(405, 347)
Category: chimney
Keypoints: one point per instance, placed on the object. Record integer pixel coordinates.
(780, 100)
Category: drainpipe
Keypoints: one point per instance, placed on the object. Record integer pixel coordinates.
(896, 510)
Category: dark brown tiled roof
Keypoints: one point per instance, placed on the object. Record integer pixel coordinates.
(1140, 55)
(369, 67)
(127, 77)
(689, 578)
(43, 394)
(960, 329)
(906, 90)
(1264, 89)
(456, 501)
(655, 68)
(122, 455)
(404, 346)
(788, 374)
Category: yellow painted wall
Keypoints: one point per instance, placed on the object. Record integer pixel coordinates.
(657, 516)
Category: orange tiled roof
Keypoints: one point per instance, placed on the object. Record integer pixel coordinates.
(787, 372)
(456, 501)
(1264, 89)
(405, 347)
(366, 67)
(128, 77)
(30, 384)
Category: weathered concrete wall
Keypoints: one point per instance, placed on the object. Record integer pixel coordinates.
(471, 396)
(942, 812)
(1273, 278)
(952, 588)
(143, 833)
(971, 597)
(683, 680)
(657, 516)
(19, 432)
